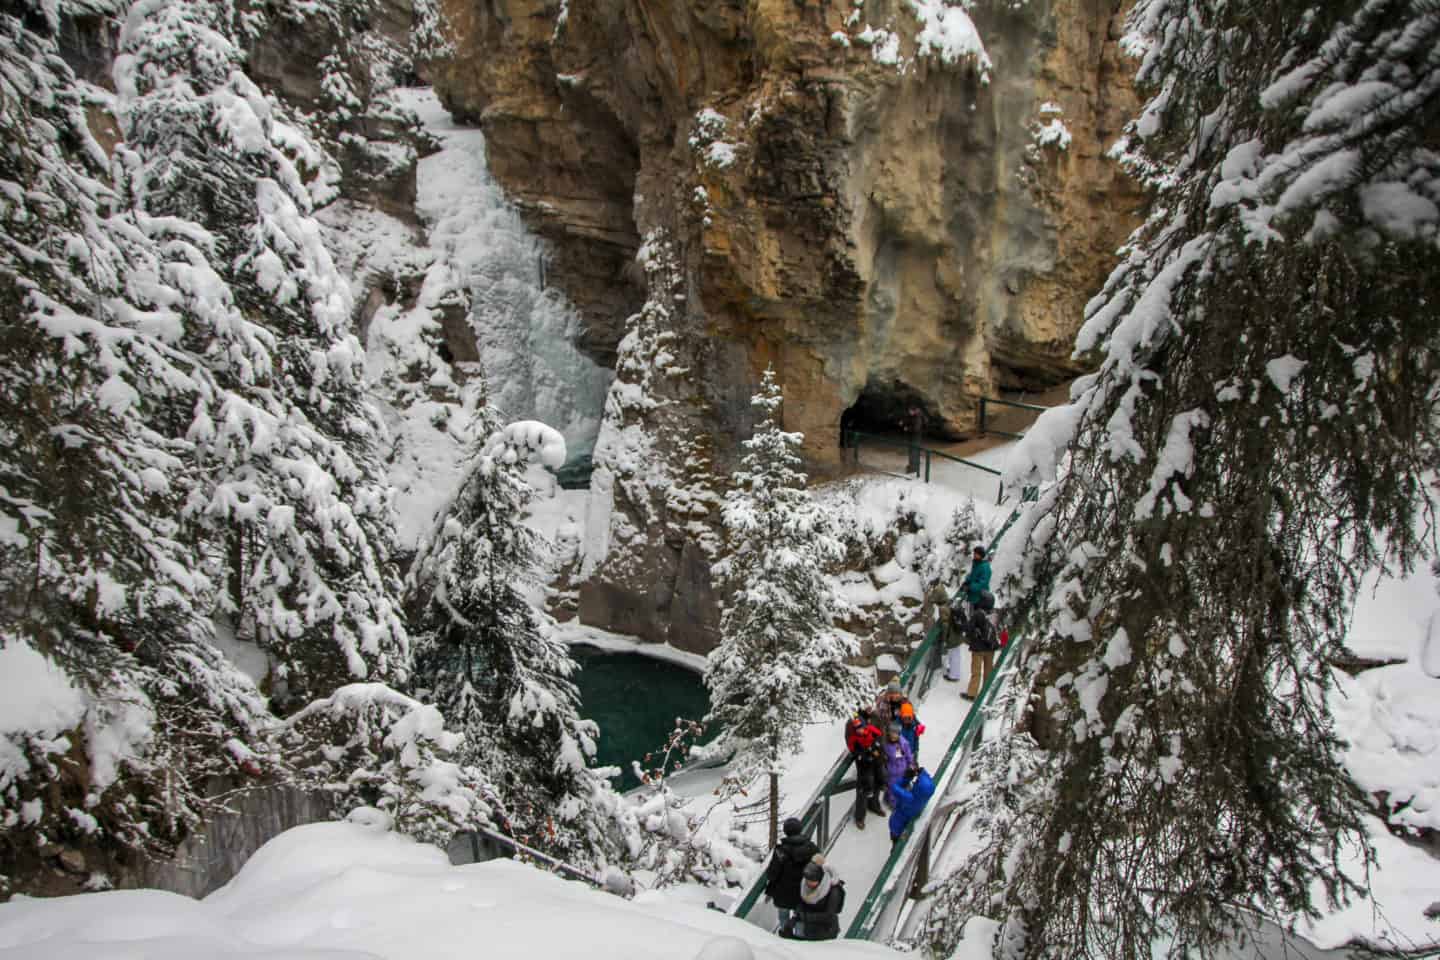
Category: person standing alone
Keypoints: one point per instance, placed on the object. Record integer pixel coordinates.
(980, 632)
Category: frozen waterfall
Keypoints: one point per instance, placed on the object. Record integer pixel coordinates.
(526, 332)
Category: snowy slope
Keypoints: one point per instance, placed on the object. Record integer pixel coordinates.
(345, 891)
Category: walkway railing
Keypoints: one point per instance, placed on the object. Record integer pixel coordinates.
(911, 860)
(816, 821)
(987, 419)
(911, 856)
(523, 851)
(919, 458)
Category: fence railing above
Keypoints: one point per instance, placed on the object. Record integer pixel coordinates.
(987, 425)
(920, 459)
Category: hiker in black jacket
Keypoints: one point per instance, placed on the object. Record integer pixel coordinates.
(822, 897)
(787, 869)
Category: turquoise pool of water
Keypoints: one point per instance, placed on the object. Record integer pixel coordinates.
(635, 700)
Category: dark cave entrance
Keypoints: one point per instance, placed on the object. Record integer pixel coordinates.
(885, 407)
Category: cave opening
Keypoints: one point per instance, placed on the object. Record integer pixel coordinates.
(889, 408)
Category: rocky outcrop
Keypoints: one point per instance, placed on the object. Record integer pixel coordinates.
(208, 860)
(851, 201)
(856, 193)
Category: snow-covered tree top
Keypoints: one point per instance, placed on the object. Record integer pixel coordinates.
(526, 440)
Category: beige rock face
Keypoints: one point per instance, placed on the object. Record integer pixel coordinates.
(876, 222)
(861, 222)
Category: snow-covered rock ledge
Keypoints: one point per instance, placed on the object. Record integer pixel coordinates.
(336, 891)
(574, 632)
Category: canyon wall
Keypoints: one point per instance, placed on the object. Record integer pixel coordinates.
(895, 202)
(852, 200)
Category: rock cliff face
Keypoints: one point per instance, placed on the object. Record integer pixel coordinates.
(895, 202)
(853, 201)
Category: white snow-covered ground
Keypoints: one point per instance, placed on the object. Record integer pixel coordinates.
(336, 891)
(953, 476)
(351, 891)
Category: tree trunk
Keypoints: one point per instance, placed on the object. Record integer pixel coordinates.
(237, 563)
(774, 808)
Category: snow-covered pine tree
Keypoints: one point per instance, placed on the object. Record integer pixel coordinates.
(368, 745)
(296, 503)
(1259, 434)
(487, 659)
(949, 560)
(96, 570)
(779, 665)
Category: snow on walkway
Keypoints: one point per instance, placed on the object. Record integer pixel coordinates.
(859, 855)
(984, 487)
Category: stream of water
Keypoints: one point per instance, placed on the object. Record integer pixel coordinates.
(635, 699)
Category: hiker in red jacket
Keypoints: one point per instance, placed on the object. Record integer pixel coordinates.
(862, 739)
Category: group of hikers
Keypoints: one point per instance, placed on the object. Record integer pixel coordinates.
(806, 892)
(884, 739)
(885, 742)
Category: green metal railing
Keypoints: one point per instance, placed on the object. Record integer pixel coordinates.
(917, 674)
(815, 820)
(883, 889)
(987, 402)
(920, 457)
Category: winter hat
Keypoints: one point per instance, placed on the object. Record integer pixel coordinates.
(813, 872)
(893, 729)
(893, 686)
(792, 826)
(978, 550)
(907, 712)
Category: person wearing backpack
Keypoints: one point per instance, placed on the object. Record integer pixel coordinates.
(981, 633)
(822, 897)
(951, 636)
(787, 863)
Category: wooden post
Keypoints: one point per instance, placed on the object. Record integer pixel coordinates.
(922, 865)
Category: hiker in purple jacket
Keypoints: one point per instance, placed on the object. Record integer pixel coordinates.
(898, 759)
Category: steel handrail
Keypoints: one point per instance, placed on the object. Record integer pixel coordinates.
(810, 819)
(919, 660)
(882, 890)
(878, 897)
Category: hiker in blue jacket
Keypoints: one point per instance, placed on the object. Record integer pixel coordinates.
(910, 799)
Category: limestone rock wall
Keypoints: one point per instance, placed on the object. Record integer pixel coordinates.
(841, 197)
(855, 220)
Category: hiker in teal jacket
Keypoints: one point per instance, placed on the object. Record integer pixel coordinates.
(977, 581)
(980, 632)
